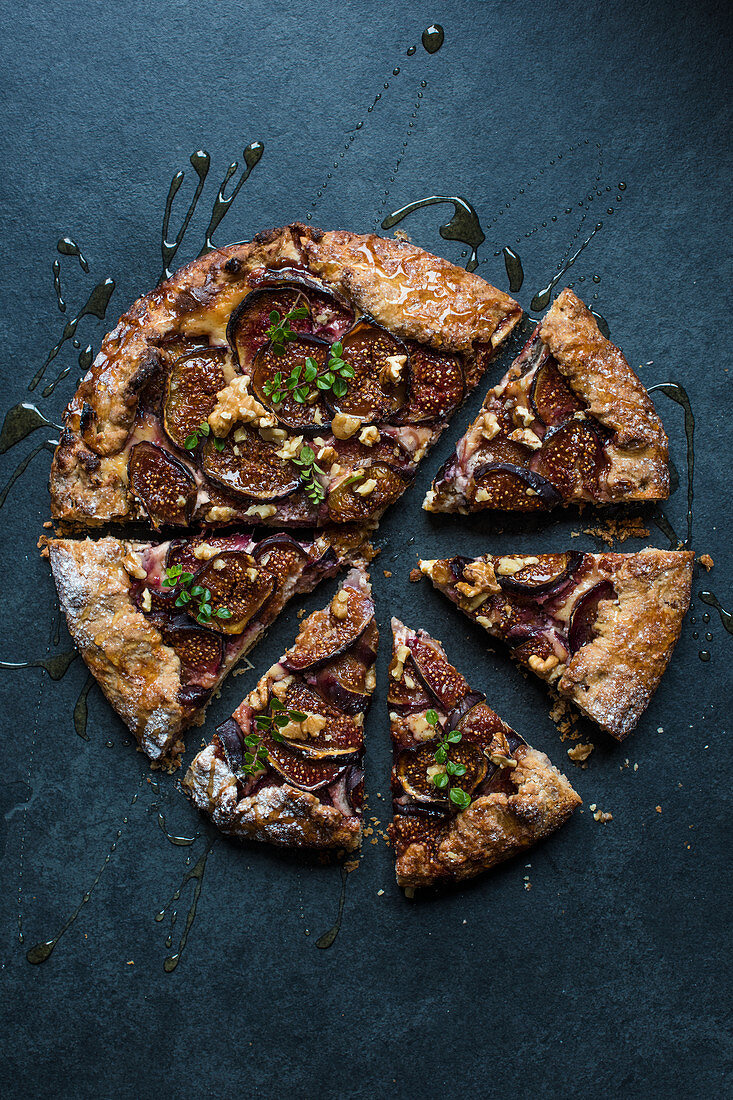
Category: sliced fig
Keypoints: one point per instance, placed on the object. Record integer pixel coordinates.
(571, 458)
(386, 451)
(553, 400)
(341, 736)
(239, 586)
(308, 775)
(582, 620)
(405, 699)
(545, 577)
(281, 556)
(502, 449)
(372, 352)
(190, 396)
(467, 703)
(249, 322)
(232, 741)
(346, 505)
(342, 682)
(413, 764)
(250, 465)
(512, 488)
(436, 386)
(183, 551)
(323, 637)
(162, 484)
(296, 410)
(442, 680)
(480, 725)
(199, 651)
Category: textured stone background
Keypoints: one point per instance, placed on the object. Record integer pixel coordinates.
(603, 979)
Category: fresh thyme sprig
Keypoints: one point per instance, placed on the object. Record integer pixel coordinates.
(452, 769)
(256, 756)
(304, 376)
(198, 433)
(176, 578)
(306, 463)
(279, 332)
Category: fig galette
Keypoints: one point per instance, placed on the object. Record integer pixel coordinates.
(600, 628)
(468, 792)
(295, 380)
(286, 768)
(161, 624)
(569, 423)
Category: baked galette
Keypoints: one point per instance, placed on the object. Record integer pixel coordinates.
(161, 624)
(468, 792)
(569, 423)
(287, 767)
(295, 380)
(600, 628)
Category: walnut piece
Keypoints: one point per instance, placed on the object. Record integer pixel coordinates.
(344, 426)
(505, 567)
(235, 403)
(132, 565)
(369, 436)
(489, 426)
(264, 511)
(204, 552)
(340, 605)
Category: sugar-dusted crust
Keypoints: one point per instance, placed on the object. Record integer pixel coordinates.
(401, 287)
(635, 466)
(496, 826)
(274, 811)
(613, 676)
(139, 674)
(598, 371)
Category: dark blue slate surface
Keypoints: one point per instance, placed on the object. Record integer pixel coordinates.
(604, 979)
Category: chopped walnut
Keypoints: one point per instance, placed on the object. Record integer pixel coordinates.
(480, 580)
(280, 687)
(340, 605)
(435, 769)
(369, 436)
(599, 815)
(527, 437)
(391, 372)
(219, 564)
(132, 564)
(415, 576)
(523, 415)
(344, 426)
(204, 552)
(505, 567)
(327, 456)
(489, 426)
(481, 496)
(398, 665)
(235, 403)
(220, 514)
(540, 666)
(501, 760)
(366, 488)
(264, 511)
(290, 448)
(146, 600)
(419, 727)
(270, 435)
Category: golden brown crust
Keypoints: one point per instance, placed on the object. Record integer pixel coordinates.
(139, 674)
(613, 677)
(496, 826)
(455, 311)
(598, 371)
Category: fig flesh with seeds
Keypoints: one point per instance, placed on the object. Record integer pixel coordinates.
(165, 488)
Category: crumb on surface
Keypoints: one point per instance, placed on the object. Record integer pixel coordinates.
(301, 612)
(599, 815)
(415, 575)
(387, 572)
(706, 562)
(579, 753)
(619, 530)
(658, 809)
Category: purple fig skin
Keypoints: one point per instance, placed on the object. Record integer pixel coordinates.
(232, 741)
(582, 620)
(549, 587)
(547, 492)
(282, 539)
(301, 662)
(334, 692)
(193, 695)
(458, 713)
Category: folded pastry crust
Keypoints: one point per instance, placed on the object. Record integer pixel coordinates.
(611, 677)
(412, 293)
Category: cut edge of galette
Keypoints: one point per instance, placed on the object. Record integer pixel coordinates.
(468, 792)
(160, 625)
(287, 767)
(599, 629)
(569, 423)
(295, 380)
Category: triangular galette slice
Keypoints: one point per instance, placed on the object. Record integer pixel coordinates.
(569, 423)
(468, 792)
(295, 380)
(161, 624)
(600, 628)
(287, 767)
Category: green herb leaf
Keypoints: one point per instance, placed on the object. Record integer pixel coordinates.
(431, 717)
(440, 780)
(460, 798)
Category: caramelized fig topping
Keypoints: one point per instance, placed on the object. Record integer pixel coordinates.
(309, 415)
(377, 358)
(340, 736)
(324, 636)
(443, 681)
(481, 725)
(308, 775)
(512, 488)
(546, 577)
(571, 457)
(162, 484)
(436, 386)
(553, 400)
(199, 651)
(342, 682)
(182, 551)
(193, 383)
(250, 465)
(582, 621)
(236, 584)
(413, 771)
(347, 505)
(280, 556)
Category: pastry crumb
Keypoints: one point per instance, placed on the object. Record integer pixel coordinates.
(599, 815)
(415, 575)
(387, 572)
(706, 562)
(619, 530)
(579, 753)
(658, 809)
(379, 893)
(301, 612)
